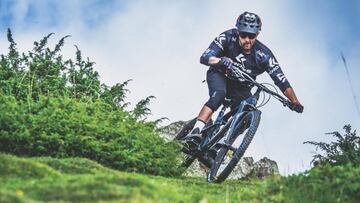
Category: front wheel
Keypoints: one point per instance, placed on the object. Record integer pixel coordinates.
(229, 155)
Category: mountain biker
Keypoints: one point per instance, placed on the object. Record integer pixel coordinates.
(238, 45)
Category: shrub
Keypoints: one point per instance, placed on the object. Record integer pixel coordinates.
(345, 150)
(64, 127)
(55, 107)
(320, 184)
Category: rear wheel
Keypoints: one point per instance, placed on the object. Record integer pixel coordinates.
(188, 159)
(229, 154)
(187, 147)
(185, 130)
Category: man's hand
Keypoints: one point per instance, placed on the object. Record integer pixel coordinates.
(225, 62)
(296, 106)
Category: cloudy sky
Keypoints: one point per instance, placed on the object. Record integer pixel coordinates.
(157, 44)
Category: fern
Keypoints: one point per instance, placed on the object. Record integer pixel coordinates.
(141, 110)
(13, 55)
(43, 42)
(59, 45)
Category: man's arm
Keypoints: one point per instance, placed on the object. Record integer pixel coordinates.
(211, 56)
(290, 94)
(213, 60)
(213, 53)
(281, 81)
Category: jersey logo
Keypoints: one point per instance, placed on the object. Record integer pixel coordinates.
(260, 53)
(281, 77)
(274, 66)
(273, 63)
(241, 59)
(219, 40)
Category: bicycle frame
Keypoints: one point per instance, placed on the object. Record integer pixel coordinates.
(237, 114)
(220, 137)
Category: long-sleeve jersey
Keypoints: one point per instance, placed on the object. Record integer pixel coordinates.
(260, 59)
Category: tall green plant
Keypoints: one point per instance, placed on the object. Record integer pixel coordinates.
(344, 150)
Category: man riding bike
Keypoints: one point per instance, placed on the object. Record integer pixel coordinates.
(240, 46)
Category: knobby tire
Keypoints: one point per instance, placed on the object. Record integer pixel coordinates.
(188, 159)
(254, 118)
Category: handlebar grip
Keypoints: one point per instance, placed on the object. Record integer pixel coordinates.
(295, 107)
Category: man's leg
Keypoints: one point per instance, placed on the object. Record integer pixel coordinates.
(217, 92)
(205, 114)
(203, 117)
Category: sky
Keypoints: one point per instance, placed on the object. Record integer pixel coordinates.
(158, 44)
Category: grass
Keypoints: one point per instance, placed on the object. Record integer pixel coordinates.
(44, 179)
(80, 180)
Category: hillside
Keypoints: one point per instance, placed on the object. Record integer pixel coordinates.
(81, 180)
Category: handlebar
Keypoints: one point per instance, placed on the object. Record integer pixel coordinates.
(277, 96)
(240, 75)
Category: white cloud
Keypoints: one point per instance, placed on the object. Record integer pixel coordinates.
(21, 9)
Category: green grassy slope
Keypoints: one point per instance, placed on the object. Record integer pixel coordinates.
(82, 180)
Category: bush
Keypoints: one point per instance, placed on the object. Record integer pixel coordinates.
(64, 127)
(320, 184)
(55, 107)
(345, 150)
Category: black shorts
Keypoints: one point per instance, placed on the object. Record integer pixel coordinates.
(221, 87)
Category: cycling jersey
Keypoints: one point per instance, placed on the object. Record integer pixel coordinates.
(260, 59)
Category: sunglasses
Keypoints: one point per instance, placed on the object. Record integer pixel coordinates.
(249, 35)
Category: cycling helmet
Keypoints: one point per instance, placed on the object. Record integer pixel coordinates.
(249, 22)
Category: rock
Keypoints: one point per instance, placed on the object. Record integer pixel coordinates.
(265, 167)
(195, 170)
(242, 169)
(169, 132)
(245, 168)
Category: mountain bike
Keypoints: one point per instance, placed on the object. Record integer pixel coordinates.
(228, 137)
